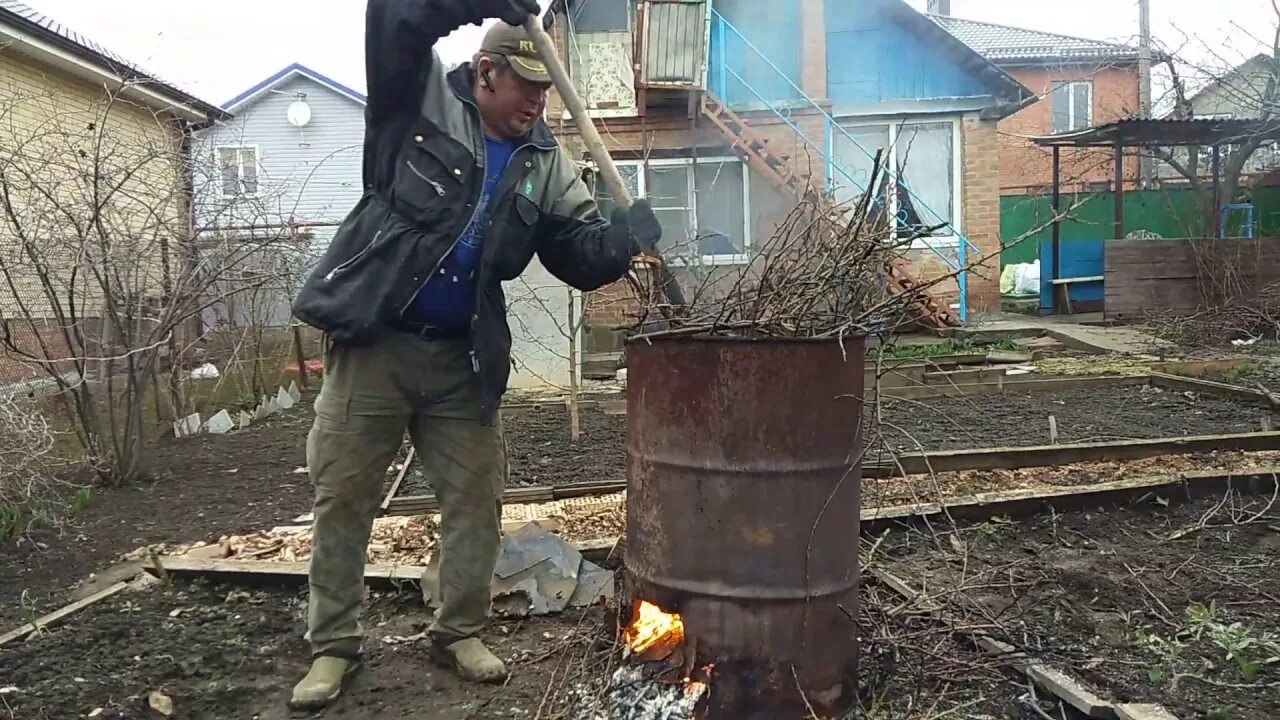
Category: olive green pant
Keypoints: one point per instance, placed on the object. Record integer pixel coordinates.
(371, 395)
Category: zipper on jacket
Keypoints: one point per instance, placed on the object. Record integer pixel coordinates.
(342, 267)
(434, 184)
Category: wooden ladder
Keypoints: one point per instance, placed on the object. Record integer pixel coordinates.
(752, 148)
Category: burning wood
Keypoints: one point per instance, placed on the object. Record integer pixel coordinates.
(654, 634)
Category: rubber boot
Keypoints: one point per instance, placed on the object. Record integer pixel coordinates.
(472, 660)
(323, 683)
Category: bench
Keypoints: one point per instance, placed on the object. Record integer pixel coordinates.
(1061, 288)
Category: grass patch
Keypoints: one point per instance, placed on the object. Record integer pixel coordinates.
(949, 346)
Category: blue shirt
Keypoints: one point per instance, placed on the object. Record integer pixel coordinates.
(447, 299)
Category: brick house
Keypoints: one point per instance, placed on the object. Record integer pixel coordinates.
(721, 112)
(1081, 83)
(53, 93)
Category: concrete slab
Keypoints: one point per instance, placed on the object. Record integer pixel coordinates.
(1123, 340)
(1143, 712)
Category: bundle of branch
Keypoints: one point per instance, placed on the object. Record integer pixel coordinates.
(822, 274)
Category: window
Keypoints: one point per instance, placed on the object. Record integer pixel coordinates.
(702, 206)
(920, 156)
(590, 16)
(239, 169)
(1071, 106)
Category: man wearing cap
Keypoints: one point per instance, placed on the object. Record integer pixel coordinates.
(463, 185)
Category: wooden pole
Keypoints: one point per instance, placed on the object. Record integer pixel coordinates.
(301, 357)
(595, 145)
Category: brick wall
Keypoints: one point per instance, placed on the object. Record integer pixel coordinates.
(1027, 168)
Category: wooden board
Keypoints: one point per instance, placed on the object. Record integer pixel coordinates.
(423, 504)
(1178, 382)
(59, 614)
(1052, 455)
(395, 485)
(1145, 276)
(1015, 384)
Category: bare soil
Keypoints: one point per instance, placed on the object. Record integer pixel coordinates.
(221, 652)
(1142, 602)
(201, 488)
(541, 451)
(1014, 419)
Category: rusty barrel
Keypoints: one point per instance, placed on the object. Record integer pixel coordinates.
(743, 479)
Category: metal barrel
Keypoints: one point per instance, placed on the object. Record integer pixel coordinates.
(742, 510)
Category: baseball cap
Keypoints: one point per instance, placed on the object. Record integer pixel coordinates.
(514, 44)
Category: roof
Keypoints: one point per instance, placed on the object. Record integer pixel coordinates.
(1259, 64)
(1166, 133)
(1012, 95)
(27, 20)
(1007, 45)
(238, 102)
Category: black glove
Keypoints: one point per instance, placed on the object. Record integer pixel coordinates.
(646, 231)
(511, 12)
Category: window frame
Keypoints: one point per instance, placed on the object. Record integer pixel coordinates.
(642, 186)
(257, 166)
(1069, 87)
(956, 223)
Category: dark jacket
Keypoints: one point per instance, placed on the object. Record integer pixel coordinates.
(423, 176)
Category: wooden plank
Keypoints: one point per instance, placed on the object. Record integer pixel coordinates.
(421, 504)
(1069, 281)
(564, 492)
(1052, 455)
(1177, 382)
(1013, 384)
(267, 570)
(395, 485)
(56, 615)
(1196, 368)
(1030, 501)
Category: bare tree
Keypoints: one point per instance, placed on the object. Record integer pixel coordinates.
(102, 274)
(1223, 84)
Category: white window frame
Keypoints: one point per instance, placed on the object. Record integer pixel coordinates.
(957, 171)
(642, 187)
(1069, 85)
(239, 150)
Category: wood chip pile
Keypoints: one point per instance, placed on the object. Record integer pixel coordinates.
(394, 541)
(595, 521)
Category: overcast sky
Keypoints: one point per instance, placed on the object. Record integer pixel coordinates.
(217, 49)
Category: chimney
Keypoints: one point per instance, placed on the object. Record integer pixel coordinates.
(939, 7)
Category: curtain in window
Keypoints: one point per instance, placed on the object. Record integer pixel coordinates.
(853, 153)
(923, 154)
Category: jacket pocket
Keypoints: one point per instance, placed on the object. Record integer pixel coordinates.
(431, 178)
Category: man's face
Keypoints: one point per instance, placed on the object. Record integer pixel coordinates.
(514, 104)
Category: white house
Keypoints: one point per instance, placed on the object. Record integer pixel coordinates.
(290, 160)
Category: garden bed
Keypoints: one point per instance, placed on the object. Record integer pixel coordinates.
(1155, 603)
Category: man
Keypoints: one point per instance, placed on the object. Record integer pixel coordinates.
(463, 185)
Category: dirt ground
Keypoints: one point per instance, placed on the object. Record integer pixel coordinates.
(1173, 605)
(1090, 415)
(221, 652)
(541, 452)
(203, 487)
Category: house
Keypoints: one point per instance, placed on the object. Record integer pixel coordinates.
(290, 163)
(1081, 82)
(720, 112)
(62, 97)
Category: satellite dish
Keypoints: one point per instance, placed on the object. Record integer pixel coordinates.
(299, 113)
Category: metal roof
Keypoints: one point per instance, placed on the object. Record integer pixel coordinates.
(296, 69)
(1166, 133)
(1007, 45)
(25, 17)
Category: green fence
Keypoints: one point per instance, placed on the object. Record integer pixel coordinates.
(1167, 213)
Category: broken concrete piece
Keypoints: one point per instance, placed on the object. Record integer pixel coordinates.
(220, 424)
(144, 581)
(283, 399)
(294, 392)
(244, 421)
(187, 426)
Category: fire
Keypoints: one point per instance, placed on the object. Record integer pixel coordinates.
(653, 627)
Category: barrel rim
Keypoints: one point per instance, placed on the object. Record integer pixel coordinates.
(766, 340)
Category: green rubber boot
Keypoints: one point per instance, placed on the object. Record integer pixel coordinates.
(472, 660)
(323, 683)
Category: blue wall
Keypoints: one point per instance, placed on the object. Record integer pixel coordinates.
(770, 68)
(871, 57)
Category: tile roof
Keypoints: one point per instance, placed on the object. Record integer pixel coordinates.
(20, 14)
(1006, 45)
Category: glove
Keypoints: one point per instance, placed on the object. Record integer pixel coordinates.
(646, 231)
(511, 12)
